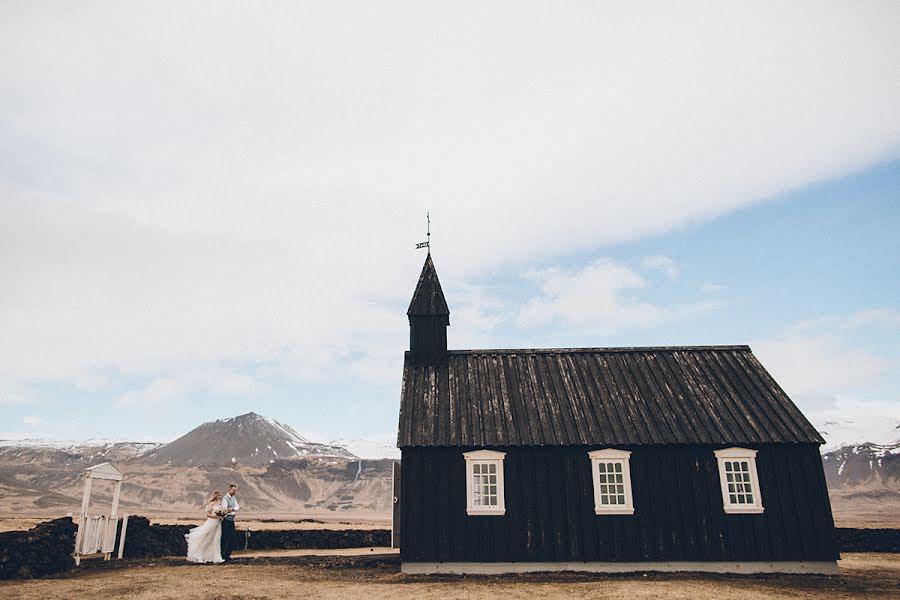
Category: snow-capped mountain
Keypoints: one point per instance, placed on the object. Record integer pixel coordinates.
(70, 452)
(857, 431)
(278, 470)
(247, 440)
(863, 464)
(864, 483)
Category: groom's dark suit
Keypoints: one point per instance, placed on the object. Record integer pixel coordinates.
(228, 527)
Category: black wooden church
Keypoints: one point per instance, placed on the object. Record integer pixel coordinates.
(602, 459)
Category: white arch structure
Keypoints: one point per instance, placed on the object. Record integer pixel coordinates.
(97, 534)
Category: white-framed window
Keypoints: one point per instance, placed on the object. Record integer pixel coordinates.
(740, 484)
(484, 482)
(612, 482)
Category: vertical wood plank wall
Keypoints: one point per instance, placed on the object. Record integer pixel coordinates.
(677, 500)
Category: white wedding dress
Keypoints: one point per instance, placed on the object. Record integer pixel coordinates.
(205, 542)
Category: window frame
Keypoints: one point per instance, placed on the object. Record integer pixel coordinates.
(739, 454)
(612, 455)
(484, 457)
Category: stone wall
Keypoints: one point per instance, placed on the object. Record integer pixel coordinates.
(868, 540)
(312, 538)
(143, 540)
(43, 550)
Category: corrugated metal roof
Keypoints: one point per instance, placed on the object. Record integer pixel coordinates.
(598, 396)
(428, 299)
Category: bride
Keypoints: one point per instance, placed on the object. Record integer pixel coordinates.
(204, 542)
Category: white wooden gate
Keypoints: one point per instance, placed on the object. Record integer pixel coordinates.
(99, 535)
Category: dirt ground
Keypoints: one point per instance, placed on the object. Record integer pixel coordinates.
(366, 551)
(378, 578)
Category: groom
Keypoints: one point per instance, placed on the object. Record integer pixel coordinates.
(230, 504)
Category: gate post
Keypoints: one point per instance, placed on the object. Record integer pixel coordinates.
(395, 506)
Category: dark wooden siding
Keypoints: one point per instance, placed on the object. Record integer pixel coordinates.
(603, 396)
(428, 340)
(677, 500)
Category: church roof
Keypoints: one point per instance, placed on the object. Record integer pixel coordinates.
(428, 299)
(596, 396)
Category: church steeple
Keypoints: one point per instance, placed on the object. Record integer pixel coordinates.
(429, 318)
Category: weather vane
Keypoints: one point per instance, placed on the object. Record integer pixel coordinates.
(426, 244)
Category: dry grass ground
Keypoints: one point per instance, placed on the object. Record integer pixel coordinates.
(14, 523)
(862, 576)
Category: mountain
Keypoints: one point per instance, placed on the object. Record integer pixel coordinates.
(857, 431)
(864, 483)
(862, 465)
(279, 472)
(248, 440)
(71, 453)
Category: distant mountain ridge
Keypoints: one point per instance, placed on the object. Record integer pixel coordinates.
(863, 464)
(249, 440)
(864, 482)
(278, 471)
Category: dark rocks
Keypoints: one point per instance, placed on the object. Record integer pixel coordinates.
(143, 540)
(313, 538)
(43, 550)
(868, 540)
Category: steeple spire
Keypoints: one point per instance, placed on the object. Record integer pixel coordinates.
(429, 318)
(428, 299)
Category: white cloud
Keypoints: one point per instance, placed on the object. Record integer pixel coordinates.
(591, 297)
(808, 363)
(600, 298)
(183, 380)
(157, 393)
(32, 421)
(234, 384)
(851, 420)
(377, 366)
(710, 287)
(664, 264)
(220, 188)
(838, 386)
(476, 314)
(877, 316)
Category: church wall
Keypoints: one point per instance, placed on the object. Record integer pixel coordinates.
(677, 499)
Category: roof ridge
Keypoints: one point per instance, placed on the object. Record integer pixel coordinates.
(736, 347)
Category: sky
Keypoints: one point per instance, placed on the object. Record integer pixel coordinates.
(208, 209)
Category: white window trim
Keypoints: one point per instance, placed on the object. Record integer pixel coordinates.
(485, 457)
(612, 455)
(731, 454)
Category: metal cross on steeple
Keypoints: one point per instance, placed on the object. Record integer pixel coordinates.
(426, 244)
